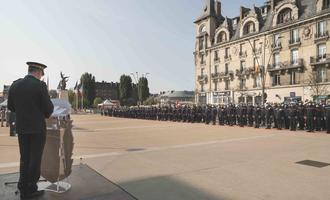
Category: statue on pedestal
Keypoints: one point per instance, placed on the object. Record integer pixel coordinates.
(62, 84)
(63, 93)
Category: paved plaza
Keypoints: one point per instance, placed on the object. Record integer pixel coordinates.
(177, 161)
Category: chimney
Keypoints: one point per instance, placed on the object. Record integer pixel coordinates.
(217, 8)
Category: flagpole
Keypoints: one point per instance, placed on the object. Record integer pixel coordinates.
(82, 96)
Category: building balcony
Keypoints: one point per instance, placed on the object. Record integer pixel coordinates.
(284, 66)
(277, 46)
(223, 75)
(320, 60)
(242, 74)
(242, 54)
(215, 76)
(227, 58)
(294, 42)
(202, 78)
(322, 36)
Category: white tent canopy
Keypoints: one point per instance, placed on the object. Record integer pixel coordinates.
(106, 103)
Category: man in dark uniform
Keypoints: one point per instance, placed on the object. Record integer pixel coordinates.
(301, 114)
(310, 117)
(269, 116)
(293, 117)
(280, 117)
(319, 116)
(327, 116)
(29, 99)
(257, 116)
(250, 115)
(214, 113)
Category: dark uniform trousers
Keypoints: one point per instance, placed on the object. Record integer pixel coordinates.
(327, 111)
(31, 148)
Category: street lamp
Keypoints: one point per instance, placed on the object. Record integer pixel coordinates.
(263, 74)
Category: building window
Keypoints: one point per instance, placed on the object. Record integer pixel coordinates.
(202, 87)
(222, 37)
(294, 56)
(201, 43)
(202, 59)
(321, 51)
(326, 4)
(226, 68)
(216, 55)
(257, 81)
(202, 29)
(243, 66)
(321, 29)
(277, 60)
(227, 52)
(249, 28)
(276, 80)
(216, 69)
(293, 79)
(277, 40)
(227, 84)
(215, 86)
(284, 16)
(242, 84)
(321, 75)
(294, 36)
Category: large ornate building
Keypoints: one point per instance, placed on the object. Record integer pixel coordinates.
(281, 48)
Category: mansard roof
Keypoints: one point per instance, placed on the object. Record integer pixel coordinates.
(307, 9)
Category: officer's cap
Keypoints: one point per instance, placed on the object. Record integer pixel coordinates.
(36, 65)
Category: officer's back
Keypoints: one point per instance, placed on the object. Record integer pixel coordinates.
(28, 97)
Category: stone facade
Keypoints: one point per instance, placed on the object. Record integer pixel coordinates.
(284, 43)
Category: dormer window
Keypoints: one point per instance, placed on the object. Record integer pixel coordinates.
(222, 37)
(202, 29)
(249, 28)
(284, 16)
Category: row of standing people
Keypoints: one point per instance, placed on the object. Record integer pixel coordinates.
(310, 116)
(8, 120)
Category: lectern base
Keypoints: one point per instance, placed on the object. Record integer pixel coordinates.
(59, 187)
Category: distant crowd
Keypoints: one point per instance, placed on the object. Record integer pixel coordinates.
(307, 116)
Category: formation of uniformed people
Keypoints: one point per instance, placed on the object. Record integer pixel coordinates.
(307, 116)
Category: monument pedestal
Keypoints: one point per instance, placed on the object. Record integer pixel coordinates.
(63, 95)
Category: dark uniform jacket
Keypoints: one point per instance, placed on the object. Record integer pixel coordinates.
(29, 98)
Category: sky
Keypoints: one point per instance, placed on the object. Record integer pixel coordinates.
(107, 38)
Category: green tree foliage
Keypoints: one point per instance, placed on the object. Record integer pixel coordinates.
(143, 89)
(72, 98)
(151, 101)
(125, 90)
(97, 101)
(89, 92)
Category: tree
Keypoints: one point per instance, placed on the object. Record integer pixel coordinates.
(72, 98)
(89, 91)
(143, 89)
(125, 89)
(97, 101)
(317, 88)
(151, 101)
